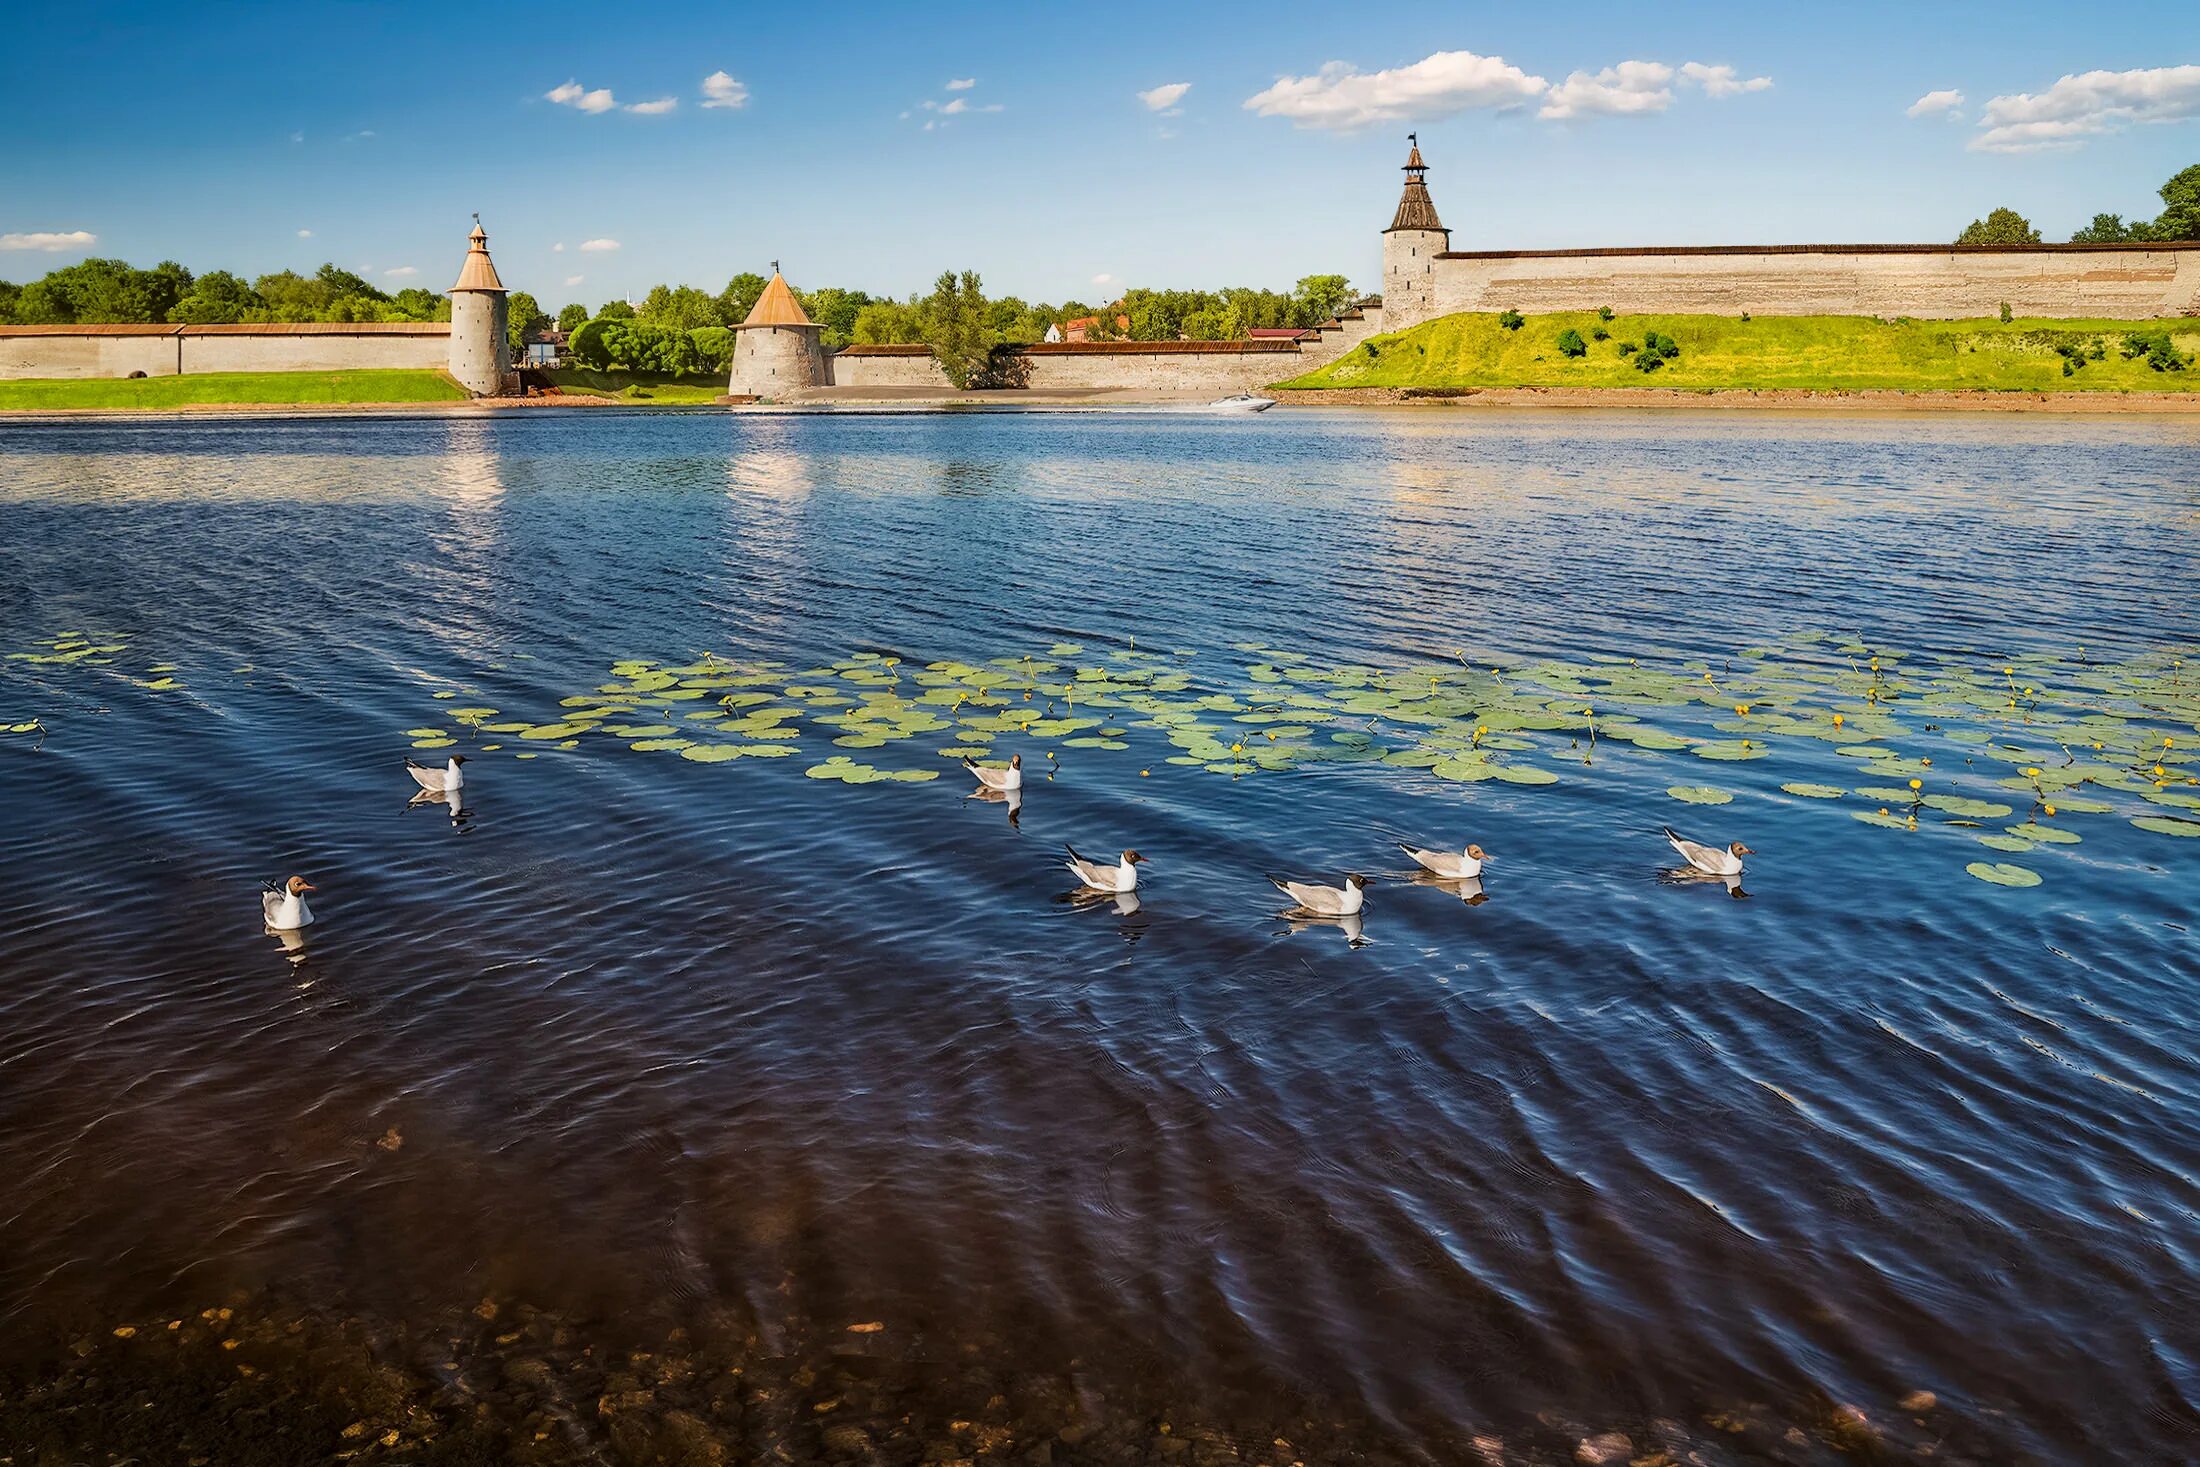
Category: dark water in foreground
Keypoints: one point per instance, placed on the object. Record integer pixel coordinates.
(655, 1043)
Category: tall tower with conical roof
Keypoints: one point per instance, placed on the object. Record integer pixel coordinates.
(778, 348)
(1410, 247)
(480, 355)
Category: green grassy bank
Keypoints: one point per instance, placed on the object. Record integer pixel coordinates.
(639, 386)
(1811, 353)
(245, 389)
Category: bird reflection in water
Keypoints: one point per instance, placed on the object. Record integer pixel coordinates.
(1123, 904)
(452, 800)
(1690, 876)
(1301, 919)
(1013, 799)
(293, 944)
(1468, 890)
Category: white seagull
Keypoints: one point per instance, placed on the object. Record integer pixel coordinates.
(1100, 876)
(1445, 864)
(1326, 901)
(284, 907)
(1710, 859)
(438, 781)
(1011, 778)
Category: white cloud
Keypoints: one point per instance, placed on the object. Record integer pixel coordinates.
(1341, 97)
(305, 234)
(558, 248)
(1164, 98)
(964, 85)
(721, 90)
(1932, 104)
(297, 137)
(402, 271)
(572, 280)
(960, 104)
(1720, 81)
(657, 108)
(2086, 105)
(598, 246)
(1629, 88)
(50, 242)
(573, 94)
(1103, 278)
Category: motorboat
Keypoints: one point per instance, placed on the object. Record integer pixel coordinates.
(1241, 402)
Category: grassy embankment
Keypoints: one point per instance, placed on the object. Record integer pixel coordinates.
(216, 389)
(655, 387)
(1797, 353)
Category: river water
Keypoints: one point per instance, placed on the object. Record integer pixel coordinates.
(733, 1044)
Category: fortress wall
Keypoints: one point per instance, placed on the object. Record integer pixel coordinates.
(2117, 282)
(319, 352)
(164, 351)
(29, 351)
(1158, 366)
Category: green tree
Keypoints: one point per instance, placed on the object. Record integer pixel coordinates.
(571, 317)
(216, 298)
(680, 308)
(9, 291)
(1570, 344)
(590, 344)
(954, 327)
(615, 310)
(2105, 229)
(739, 297)
(889, 323)
(713, 348)
(834, 310)
(2001, 227)
(416, 304)
(522, 319)
(1320, 298)
(2180, 216)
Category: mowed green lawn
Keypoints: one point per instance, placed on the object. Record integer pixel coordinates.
(261, 389)
(656, 387)
(1822, 353)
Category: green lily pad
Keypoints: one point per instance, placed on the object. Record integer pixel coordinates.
(2001, 873)
(1968, 808)
(2045, 834)
(435, 743)
(1525, 774)
(712, 753)
(653, 746)
(1700, 794)
(1881, 818)
(2006, 843)
(549, 732)
(2167, 825)
(1815, 791)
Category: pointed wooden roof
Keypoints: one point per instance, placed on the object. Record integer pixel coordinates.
(1416, 210)
(479, 272)
(777, 306)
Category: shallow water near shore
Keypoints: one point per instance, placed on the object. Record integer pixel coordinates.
(721, 1021)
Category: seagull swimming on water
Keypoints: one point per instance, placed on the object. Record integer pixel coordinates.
(1451, 867)
(1100, 876)
(1011, 778)
(438, 781)
(1326, 901)
(1710, 860)
(284, 907)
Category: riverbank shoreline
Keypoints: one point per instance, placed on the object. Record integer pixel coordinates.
(921, 399)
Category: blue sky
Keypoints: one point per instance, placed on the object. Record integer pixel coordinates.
(840, 143)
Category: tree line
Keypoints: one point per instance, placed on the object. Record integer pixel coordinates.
(2179, 220)
(108, 292)
(686, 329)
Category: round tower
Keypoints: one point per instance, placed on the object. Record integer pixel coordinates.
(479, 351)
(777, 349)
(1410, 247)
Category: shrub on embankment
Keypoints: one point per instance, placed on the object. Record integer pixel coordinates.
(1812, 353)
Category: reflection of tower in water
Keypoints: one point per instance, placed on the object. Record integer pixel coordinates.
(464, 582)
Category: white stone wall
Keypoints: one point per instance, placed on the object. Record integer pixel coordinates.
(1159, 370)
(2119, 284)
(74, 355)
(865, 370)
(315, 352)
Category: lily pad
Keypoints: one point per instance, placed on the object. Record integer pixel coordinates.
(2167, 825)
(2045, 834)
(1815, 791)
(1700, 794)
(1968, 808)
(2001, 873)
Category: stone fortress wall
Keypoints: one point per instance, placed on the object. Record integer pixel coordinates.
(2117, 282)
(168, 351)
